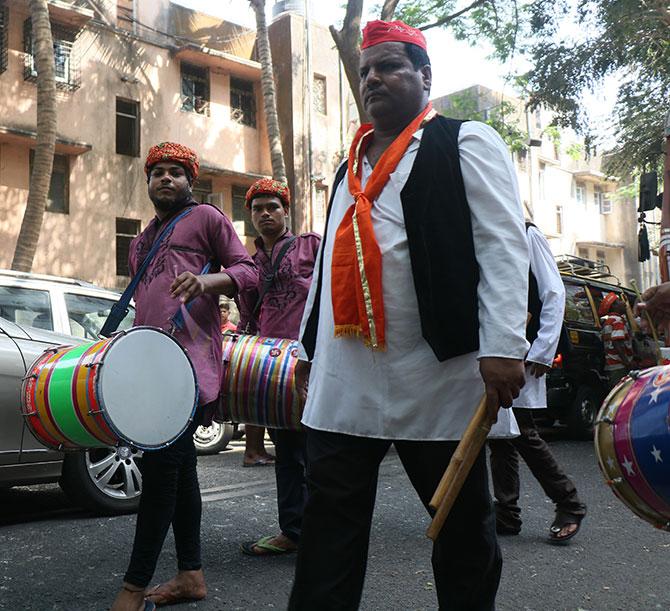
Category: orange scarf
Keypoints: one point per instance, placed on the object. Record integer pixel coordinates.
(356, 281)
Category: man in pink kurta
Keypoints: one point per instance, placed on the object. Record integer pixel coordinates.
(178, 293)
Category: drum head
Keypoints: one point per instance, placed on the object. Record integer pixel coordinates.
(147, 388)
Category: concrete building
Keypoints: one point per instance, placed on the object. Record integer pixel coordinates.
(563, 190)
(132, 73)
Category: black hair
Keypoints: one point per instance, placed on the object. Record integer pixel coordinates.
(417, 55)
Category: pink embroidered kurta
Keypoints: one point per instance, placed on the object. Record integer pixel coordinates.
(204, 235)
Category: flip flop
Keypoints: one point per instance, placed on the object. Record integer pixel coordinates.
(169, 599)
(261, 462)
(264, 544)
(560, 522)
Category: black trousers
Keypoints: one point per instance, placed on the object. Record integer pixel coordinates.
(290, 461)
(342, 475)
(537, 455)
(170, 495)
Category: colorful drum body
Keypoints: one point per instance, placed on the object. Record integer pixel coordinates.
(258, 381)
(136, 388)
(632, 439)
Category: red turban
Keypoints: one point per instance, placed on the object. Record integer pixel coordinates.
(172, 151)
(606, 303)
(377, 32)
(269, 186)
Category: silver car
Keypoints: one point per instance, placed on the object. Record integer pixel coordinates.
(37, 312)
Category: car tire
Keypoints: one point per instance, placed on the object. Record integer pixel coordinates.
(214, 438)
(106, 481)
(583, 411)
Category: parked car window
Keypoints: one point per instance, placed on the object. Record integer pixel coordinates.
(29, 307)
(87, 314)
(577, 306)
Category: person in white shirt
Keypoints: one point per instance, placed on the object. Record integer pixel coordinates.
(416, 309)
(546, 303)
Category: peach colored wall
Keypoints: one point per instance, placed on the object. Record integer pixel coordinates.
(104, 185)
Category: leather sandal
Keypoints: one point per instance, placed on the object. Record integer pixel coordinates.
(562, 520)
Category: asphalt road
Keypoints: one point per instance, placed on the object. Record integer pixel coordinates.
(54, 557)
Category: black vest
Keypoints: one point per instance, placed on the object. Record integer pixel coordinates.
(441, 248)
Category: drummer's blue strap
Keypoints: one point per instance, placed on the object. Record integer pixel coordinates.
(120, 308)
(178, 319)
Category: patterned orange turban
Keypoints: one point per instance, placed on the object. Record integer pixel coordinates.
(269, 186)
(172, 151)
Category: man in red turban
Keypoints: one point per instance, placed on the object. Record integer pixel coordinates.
(186, 269)
(409, 321)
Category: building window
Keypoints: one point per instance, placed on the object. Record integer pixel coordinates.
(194, 89)
(319, 92)
(4, 33)
(241, 216)
(522, 159)
(538, 118)
(559, 219)
(583, 253)
(600, 257)
(127, 127)
(601, 200)
(202, 189)
(580, 194)
(242, 102)
(59, 187)
(320, 206)
(125, 14)
(67, 61)
(606, 205)
(541, 177)
(126, 230)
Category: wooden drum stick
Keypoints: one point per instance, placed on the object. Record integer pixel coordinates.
(459, 466)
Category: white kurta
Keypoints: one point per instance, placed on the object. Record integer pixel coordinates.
(552, 295)
(404, 392)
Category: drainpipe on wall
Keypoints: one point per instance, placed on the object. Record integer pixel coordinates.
(664, 258)
(308, 114)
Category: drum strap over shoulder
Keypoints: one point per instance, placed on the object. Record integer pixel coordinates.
(269, 279)
(120, 308)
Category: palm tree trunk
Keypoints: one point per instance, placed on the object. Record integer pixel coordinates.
(268, 89)
(26, 244)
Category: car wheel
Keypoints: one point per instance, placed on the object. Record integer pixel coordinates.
(214, 438)
(583, 411)
(106, 481)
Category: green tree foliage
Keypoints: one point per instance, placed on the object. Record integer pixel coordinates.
(629, 39)
(502, 117)
(496, 21)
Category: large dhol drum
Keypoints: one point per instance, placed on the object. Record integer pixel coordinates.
(258, 381)
(136, 388)
(632, 441)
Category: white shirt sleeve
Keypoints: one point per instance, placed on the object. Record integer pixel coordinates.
(552, 295)
(500, 243)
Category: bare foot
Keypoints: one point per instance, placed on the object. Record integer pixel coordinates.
(185, 586)
(129, 599)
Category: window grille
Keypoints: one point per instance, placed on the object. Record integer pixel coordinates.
(319, 94)
(126, 230)
(65, 55)
(240, 212)
(127, 127)
(194, 89)
(4, 33)
(59, 188)
(242, 102)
